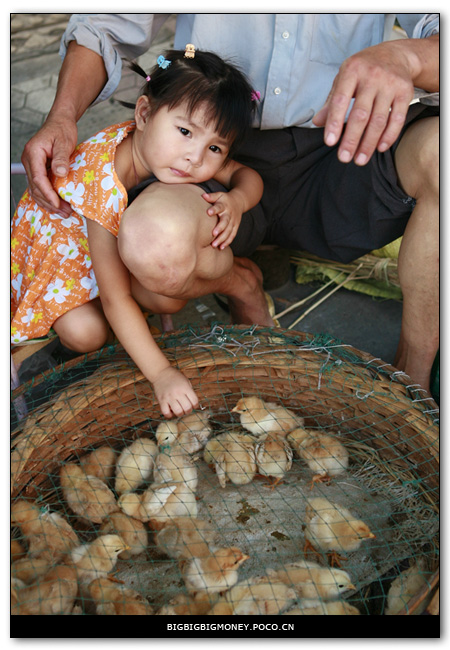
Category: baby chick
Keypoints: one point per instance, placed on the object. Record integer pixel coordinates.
(259, 416)
(96, 559)
(332, 527)
(111, 598)
(29, 569)
(215, 573)
(54, 593)
(191, 432)
(313, 581)
(132, 531)
(17, 550)
(88, 496)
(135, 465)
(254, 597)
(47, 534)
(233, 456)
(330, 608)
(325, 455)
(273, 457)
(144, 506)
(185, 538)
(174, 465)
(100, 463)
(182, 502)
(404, 587)
(184, 605)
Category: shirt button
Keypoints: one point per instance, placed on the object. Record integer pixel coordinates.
(277, 91)
(285, 34)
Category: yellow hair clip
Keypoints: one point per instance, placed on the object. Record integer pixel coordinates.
(189, 52)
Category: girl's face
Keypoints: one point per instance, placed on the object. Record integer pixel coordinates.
(177, 147)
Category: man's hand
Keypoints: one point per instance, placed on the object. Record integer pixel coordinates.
(380, 79)
(54, 143)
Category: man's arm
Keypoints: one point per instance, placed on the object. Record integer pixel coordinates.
(381, 80)
(81, 78)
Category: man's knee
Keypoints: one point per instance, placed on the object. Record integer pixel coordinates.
(417, 159)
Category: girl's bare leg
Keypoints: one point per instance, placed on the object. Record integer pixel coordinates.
(85, 328)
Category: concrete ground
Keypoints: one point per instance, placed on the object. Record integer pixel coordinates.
(367, 324)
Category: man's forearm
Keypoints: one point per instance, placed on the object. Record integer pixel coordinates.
(423, 54)
(81, 79)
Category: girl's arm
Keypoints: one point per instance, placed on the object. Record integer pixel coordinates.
(246, 189)
(172, 389)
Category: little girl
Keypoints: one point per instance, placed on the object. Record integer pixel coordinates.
(194, 111)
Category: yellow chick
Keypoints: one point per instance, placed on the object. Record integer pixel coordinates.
(135, 465)
(54, 593)
(324, 454)
(96, 559)
(29, 569)
(113, 599)
(185, 538)
(331, 527)
(182, 502)
(215, 573)
(144, 506)
(87, 496)
(100, 463)
(318, 608)
(191, 432)
(233, 457)
(174, 465)
(17, 550)
(254, 597)
(47, 534)
(132, 531)
(273, 457)
(404, 587)
(185, 605)
(259, 416)
(313, 581)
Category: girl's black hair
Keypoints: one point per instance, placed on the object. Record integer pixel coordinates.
(207, 81)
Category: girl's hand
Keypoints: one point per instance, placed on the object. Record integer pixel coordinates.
(227, 207)
(174, 393)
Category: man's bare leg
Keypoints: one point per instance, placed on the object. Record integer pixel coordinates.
(167, 232)
(417, 162)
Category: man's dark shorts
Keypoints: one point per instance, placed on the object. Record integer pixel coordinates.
(313, 202)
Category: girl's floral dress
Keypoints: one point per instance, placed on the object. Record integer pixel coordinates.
(51, 269)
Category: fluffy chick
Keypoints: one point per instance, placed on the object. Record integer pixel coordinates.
(144, 506)
(132, 531)
(185, 538)
(404, 587)
(54, 593)
(318, 608)
(324, 454)
(88, 496)
(185, 605)
(47, 534)
(215, 573)
(233, 456)
(254, 597)
(331, 527)
(111, 598)
(98, 558)
(182, 502)
(100, 463)
(17, 550)
(175, 465)
(29, 569)
(259, 416)
(135, 465)
(191, 432)
(273, 457)
(313, 581)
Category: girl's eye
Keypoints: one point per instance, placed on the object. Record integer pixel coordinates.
(184, 131)
(215, 148)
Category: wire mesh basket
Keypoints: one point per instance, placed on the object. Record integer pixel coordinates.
(388, 426)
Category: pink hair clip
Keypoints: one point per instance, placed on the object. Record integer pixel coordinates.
(255, 96)
(147, 78)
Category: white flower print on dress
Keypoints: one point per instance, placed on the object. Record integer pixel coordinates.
(17, 337)
(28, 316)
(72, 194)
(68, 251)
(34, 216)
(20, 212)
(56, 291)
(67, 222)
(47, 233)
(79, 161)
(17, 285)
(99, 138)
(90, 284)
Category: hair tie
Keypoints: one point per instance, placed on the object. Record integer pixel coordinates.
(255, 96)
(189, 51)
(162, 62)
(147, 78)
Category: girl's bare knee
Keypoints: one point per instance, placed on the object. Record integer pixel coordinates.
(83, 329)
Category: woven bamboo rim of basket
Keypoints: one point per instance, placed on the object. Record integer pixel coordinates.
(327, 382)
